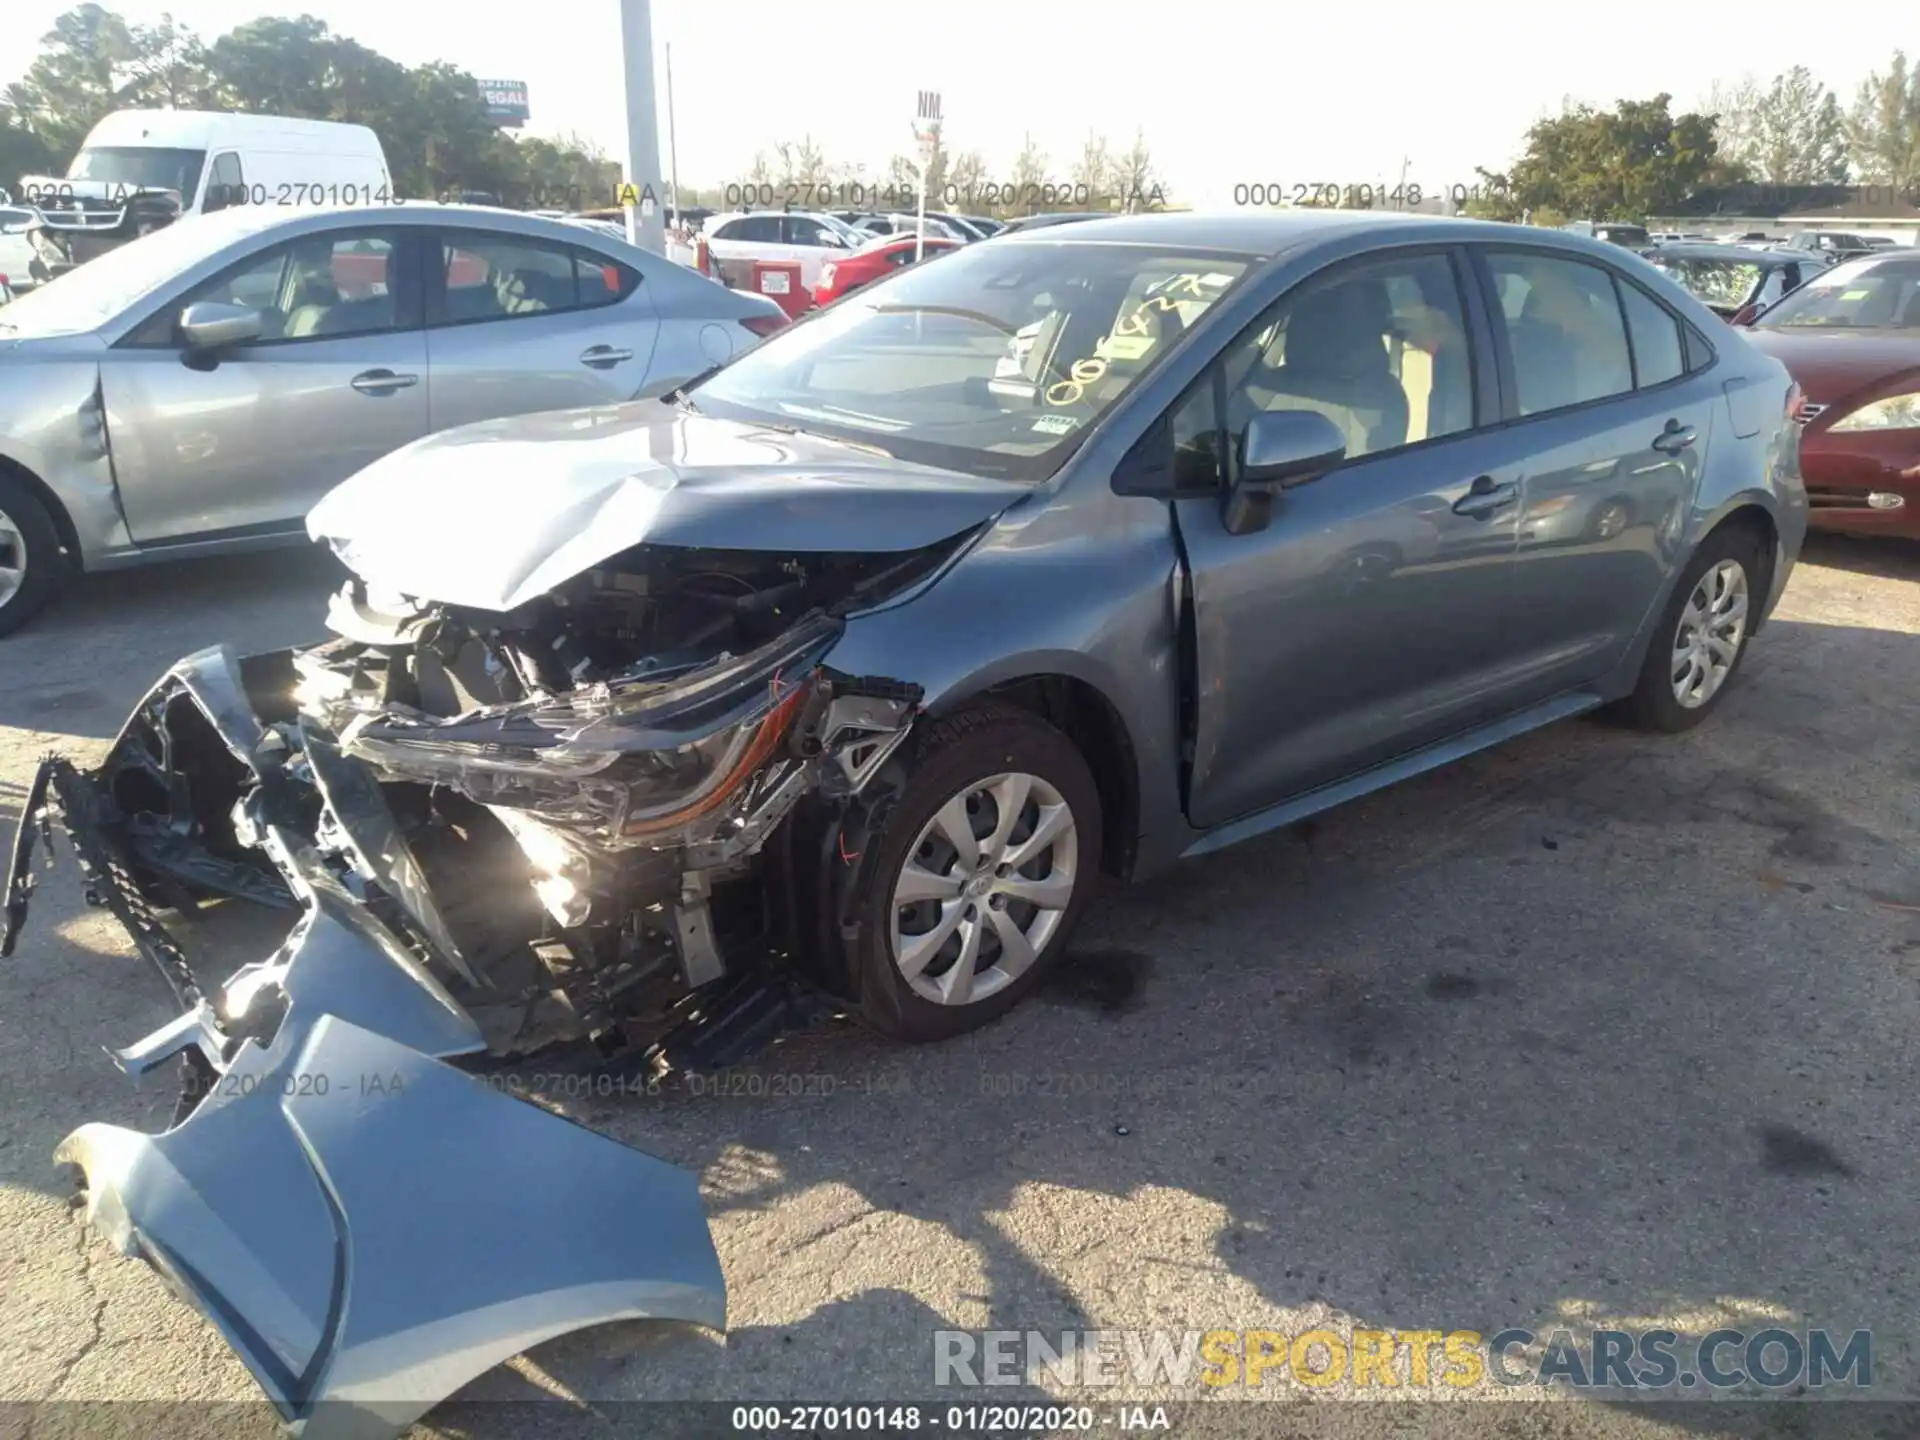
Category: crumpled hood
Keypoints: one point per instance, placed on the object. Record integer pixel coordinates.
(495, 514)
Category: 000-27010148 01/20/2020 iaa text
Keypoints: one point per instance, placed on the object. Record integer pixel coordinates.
(956, 197)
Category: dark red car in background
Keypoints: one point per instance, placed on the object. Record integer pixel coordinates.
(842, 275)
(1851, 338)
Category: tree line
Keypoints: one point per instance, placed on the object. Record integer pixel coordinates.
(1096, 176)
(433, 123)
(431, 120)
(1790, 135)
(1634, 160)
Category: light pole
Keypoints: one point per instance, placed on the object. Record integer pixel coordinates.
(673, 147)
(645, 225)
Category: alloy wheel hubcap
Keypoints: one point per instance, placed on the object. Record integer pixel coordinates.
(1711, 628)
(984, 888)
(13, 558)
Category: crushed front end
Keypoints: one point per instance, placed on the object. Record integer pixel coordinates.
(493, 834)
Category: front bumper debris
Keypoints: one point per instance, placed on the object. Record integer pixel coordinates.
(369, 1224)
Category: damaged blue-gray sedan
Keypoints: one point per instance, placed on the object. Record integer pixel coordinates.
(839, 677)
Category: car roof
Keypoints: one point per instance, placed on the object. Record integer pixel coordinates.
(202, 129)
(1267, 232)
(239, 221)
(881, 242)
(721, 217)
(1741, 254)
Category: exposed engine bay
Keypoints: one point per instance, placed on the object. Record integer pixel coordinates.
(494, 833)
(557, 810)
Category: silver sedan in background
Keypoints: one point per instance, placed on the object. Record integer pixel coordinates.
(197, 390)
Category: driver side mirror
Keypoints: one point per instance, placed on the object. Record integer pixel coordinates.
(1279, 450)
(210, 326)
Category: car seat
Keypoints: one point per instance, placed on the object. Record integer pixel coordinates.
(1566, 351)
(312, 293)
(519, 292)
(1336, 362)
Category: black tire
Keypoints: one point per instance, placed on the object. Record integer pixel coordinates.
(946, 757)
(46, 562)
(1604, 526)
(1653, 704)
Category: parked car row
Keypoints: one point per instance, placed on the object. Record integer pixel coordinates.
(227, 371)
(1850, 336)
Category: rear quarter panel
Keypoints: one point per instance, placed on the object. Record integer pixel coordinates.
(1753, 461)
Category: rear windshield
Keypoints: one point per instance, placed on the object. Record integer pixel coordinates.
(1711, 282)
(140, 167)
(992, 362)
(1880, 293)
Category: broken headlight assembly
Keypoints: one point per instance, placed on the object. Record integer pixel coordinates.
(621, 763)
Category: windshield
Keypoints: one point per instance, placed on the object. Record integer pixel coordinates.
(994, 361)
(845, 231)
(93, 293)
(1727, 283)
(1881, 293)
(138, 166)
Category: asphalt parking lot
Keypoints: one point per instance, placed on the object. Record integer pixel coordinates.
(1596, 1029)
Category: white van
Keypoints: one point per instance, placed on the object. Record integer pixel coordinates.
(140, 168)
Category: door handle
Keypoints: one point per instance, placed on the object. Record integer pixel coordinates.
(1675, 438)
(1486, 497)
(604, 357)
(379, 382)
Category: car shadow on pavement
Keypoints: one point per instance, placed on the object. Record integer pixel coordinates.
(1887, 557)
(1596, 1029)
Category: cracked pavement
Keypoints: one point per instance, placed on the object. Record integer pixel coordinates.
(1596, 1028)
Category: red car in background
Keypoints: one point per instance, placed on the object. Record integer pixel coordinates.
(845, 274)
(1851, 338)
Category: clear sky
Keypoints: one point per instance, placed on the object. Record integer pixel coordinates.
(1226, 91)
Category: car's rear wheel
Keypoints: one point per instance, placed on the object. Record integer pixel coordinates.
(985, 865)
(1703, 635)
(31, 560)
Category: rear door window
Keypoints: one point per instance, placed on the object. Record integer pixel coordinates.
(1564, 329)
(603, 281)
(756, 229)
(504, 277)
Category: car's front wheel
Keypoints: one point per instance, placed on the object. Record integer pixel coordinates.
(31, 560)
(985, 865)
(1702, 636)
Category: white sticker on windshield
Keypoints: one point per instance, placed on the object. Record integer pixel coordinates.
(1124, 347)
(1055, 424)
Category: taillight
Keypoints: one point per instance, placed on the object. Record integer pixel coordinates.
(765, 325)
